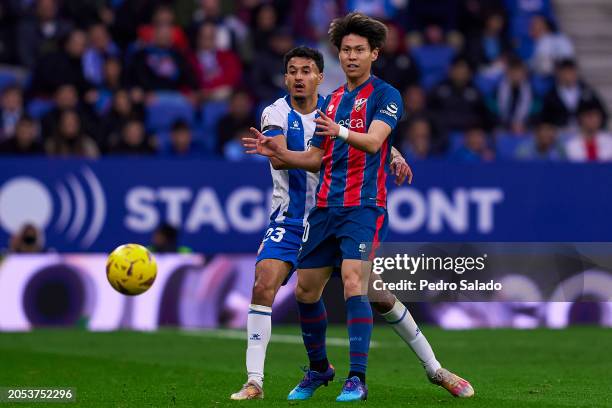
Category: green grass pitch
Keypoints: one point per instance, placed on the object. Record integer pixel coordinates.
(533, 368)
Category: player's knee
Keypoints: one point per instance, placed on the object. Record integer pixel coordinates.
(353, 286)
(306, 294)
(263, 292)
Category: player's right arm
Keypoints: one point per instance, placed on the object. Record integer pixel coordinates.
(309, 160)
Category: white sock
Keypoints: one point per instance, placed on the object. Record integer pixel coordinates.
(259, 328)
(404, 325)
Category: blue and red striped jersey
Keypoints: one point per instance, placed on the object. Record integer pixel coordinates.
(350, 177)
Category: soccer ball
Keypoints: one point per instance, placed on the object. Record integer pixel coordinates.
(131, 269)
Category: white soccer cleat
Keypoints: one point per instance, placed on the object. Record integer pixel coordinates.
(250, 390)
(457, 386)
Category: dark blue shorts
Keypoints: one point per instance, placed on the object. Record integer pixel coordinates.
(337, 233)
(282, 242)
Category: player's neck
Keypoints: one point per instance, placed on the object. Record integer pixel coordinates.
(352, 83)
(306, 105)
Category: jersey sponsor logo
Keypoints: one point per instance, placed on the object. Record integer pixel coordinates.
(352, 123)
(391, 110)
(360, 103)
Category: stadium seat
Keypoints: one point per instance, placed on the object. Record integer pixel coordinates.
(7, 78)
(487, 84)
(167, 109)
(37, 108)
(506, 145)
(455, 142)
(433, 62)
(541, 84)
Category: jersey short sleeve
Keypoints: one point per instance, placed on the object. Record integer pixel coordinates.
(317, 140)
(389, 106)
(273, 121)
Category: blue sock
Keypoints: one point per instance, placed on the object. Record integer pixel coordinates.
(359, 322)
(313, 319)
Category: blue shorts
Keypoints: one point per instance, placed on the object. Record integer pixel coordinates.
(337, 233)
(282, 242)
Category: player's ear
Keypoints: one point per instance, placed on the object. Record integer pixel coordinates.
(320, 78)
(286, 81)
(374, 55)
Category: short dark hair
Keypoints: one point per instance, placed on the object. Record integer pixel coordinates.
(305, 52)
(361, 25)
(180, 125)
(566, 63)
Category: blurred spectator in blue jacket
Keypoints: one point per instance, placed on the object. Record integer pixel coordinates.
(41, 33)
(543, 146)
(515, 101)
(475, 146)
(100, 48)
(234, 151)
(487, 49)
(182, 143)
(11, 109)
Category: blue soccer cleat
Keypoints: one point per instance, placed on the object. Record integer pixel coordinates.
(353, 390)
(311, 381)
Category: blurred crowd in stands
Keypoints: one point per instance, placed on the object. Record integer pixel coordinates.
(482, 80)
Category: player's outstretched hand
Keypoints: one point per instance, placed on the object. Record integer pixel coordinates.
(401, 170)
(326, 126)
(259, 144)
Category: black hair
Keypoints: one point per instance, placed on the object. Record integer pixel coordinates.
(305, 52)
(566, 63)
(361, 25)
(180, 124)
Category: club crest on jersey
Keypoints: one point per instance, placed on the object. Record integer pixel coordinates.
(330, 108)
(360, 103)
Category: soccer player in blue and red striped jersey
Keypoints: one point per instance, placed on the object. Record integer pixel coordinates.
(351, 149)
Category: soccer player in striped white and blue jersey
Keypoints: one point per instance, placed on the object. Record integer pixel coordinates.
(350, 147)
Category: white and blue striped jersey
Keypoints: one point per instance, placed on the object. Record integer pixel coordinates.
(294, 190)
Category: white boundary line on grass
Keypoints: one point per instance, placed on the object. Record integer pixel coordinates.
(276, 338)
